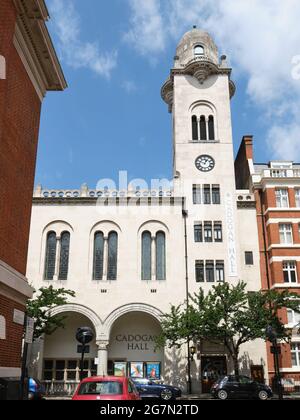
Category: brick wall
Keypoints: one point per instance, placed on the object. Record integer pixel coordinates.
(10, 349)
(19, 125)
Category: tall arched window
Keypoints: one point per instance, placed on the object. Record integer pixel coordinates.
(146, 256)
(195, 128)
(50, 256)
(160, 256)
(98, 256)
(198, 50)
(64, 256)
(211, 128)
(112, 256)
(203, 133)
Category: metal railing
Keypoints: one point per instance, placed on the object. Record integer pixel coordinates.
(60, 388)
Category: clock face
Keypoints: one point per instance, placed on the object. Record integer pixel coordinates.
(205, 163)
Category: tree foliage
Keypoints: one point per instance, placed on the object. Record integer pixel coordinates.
(227, 315)
(40, 307)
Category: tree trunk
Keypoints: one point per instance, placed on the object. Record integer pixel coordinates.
(235, 358)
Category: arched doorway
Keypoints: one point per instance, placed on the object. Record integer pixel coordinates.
(132, 346)
(61, 356)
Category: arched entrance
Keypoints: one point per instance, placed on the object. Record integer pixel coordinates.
(132, 346)
(62, 353)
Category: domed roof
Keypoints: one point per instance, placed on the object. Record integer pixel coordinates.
(185, 48)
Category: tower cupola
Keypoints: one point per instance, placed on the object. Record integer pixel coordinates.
(196, 45)
(197, 56)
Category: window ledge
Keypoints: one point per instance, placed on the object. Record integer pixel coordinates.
(286, 286)
(204, 141)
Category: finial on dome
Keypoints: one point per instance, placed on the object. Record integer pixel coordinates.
(195, 27)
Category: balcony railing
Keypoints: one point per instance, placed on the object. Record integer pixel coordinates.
(281, 173)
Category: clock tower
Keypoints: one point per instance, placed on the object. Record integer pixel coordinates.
(198, 93)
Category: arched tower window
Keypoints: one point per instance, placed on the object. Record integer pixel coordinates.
(98, 256)
(64, 256)
(195, 128)
(112, 256)
(146, 256)
(211, 128)
(198, 50)
(50, 256)
(203, 133)
(160, 256)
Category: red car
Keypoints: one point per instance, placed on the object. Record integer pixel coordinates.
(108, 388)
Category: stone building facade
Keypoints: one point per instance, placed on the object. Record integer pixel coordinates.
(130, 252)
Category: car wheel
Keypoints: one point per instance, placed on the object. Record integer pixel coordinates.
(223, 395)
(166, 395)
(263, 395)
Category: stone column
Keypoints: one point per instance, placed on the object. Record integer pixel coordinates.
(57, 261)
(153, 254)
(103, 357)
(105, 258)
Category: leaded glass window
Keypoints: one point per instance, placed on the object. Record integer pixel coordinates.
(64, 256)
(112, 256)
(50, 256)
(146, 256)
(160, 256)
(98, 256)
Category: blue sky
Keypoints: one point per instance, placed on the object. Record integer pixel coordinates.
(116, 54)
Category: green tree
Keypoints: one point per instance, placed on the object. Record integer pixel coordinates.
(227, 315)
(40, 307)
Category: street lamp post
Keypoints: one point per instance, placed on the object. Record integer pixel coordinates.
(84, 336)
(191, 353)
(275, 349)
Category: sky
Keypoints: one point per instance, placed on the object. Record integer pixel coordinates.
(117, 54)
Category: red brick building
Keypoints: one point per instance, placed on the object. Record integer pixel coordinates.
(28, 69)
(276, 186)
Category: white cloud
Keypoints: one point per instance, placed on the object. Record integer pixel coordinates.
(261, 39)
(147, 34)
(129, 86)
(74, 51)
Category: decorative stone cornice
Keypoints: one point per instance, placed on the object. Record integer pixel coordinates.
(34, 45)
(200, 68)
(12, 279)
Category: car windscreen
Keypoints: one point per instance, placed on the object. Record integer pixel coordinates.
(101, 388)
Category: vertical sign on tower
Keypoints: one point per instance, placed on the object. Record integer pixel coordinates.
(230, 226)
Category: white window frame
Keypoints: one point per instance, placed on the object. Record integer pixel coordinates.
(296, 351)
(282, 198)
(293, 318)
(297, 197)
(286, 233)
(290, 267)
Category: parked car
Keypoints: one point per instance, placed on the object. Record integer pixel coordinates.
(152, 389)
(106, 388)
(36, 391)
(240, 387)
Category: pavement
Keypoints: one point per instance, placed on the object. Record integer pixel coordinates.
(195, 397)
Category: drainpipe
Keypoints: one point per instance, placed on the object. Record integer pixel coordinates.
(263, 222)
(185, 216)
